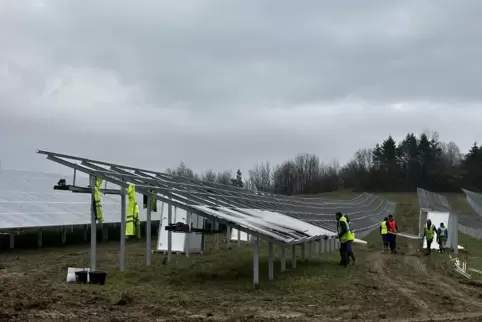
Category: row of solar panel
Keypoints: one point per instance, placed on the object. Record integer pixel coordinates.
(31, 198)
(470, 225)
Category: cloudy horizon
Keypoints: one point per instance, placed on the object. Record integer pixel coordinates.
(224, 85)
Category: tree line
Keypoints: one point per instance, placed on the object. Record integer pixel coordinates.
(416, 161)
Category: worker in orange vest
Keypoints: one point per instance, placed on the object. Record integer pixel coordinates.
(392, 233)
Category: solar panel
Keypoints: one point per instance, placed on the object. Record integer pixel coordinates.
(286, 220)
(27, 200)
(475, 200)
(365, 211)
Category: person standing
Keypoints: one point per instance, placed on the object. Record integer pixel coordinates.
(392, 228)
(351, 238)
(343, 230)
(429, 234)
(384, 234)
(442, 235)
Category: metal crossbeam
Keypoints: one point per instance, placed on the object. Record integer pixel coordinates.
(185, 191)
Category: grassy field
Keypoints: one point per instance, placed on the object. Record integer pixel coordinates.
(218, 284)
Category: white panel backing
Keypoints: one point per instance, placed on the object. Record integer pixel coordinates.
(242, 235)
(179, 240)
(437, 218)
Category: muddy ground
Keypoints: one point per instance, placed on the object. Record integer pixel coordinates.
(218, 285)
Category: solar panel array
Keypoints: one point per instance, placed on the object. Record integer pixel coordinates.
(475, 200)
(365, 211)
(470, 225)
(27, 200)
(434, 201)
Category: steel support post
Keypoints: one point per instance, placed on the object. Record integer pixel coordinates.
(293, 256)
(148, 230)
(93, 228)
(455, 232)
(283, 258)
(122, 254)
(228, 237)
(215, 226)
(187, 247)
(270, 261)
(169, 233)
(302, 246)
(256, 262)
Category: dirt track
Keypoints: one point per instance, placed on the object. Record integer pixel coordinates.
(424, 289)
(402, 287)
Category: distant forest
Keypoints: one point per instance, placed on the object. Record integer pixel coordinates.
(422, 161)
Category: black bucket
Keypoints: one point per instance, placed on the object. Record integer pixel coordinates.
(81, 277)
(97, 277)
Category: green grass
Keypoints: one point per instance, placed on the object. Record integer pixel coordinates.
(218, 284)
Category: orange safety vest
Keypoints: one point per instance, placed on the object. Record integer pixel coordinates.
(392, 225)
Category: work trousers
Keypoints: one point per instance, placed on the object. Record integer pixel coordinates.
(429, 245)
(442, 240)
(386, 241)
(346, 252)
(393, 242)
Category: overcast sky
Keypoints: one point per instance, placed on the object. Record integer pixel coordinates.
(225, 84)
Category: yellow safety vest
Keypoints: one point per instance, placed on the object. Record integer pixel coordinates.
(347, 236)
(99, 215)
(351, 235)
(153, 203)
(132, 219)
(429, 231)
(383, 224)
(443, 231)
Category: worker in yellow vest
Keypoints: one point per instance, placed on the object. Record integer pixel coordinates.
(351, 238)
(429, 234)
(442, 236)
(132, 219)
(345, 236)
(96, 201)
(384, 234)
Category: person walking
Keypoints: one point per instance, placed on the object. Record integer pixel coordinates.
(392, 228)
(442, 236)
(343, 230)
(429, 234)
(384, 234)
(351, 238)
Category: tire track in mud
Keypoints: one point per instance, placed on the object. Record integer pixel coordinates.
(381, 264)
(425, 289)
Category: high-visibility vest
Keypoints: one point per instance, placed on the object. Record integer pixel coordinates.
(346, 236)
(97, 205)
(384, 230)
(351, 233)
(429, 231)
(153, 203)
(443, 231)
(132, 218)
(392, 226)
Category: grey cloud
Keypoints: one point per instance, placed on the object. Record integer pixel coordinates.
(225, 84)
